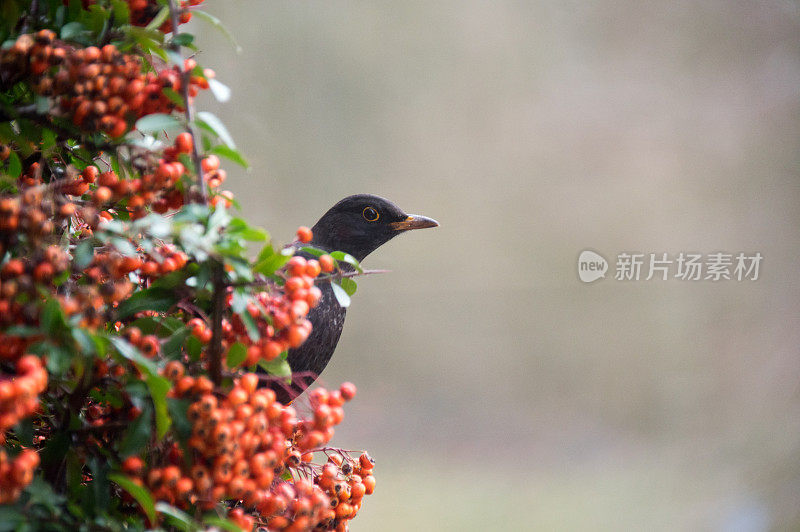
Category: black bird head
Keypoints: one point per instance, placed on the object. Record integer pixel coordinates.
(360, 224)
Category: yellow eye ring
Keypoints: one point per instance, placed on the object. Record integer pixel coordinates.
(370, 214)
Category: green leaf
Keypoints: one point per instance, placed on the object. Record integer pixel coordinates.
(236, 355)
(158, 122)
(85, 340)
(159, 386)
(250, 326)
(178, 409)
(137, 435)
(219, 522)
(349, 259)
(194, 347)
(313, 251)
(140, 493)
(11, 518)
(71, 30)
(348, 285)
(173, 96)
(42, 493)
(172, 347)
(177, 518)
(52, 318)
(14, 165)
(124, 246)
(214, 21)
(230, 154)
(101, 493)
(269, 262)
(122, 12)
(175, 58)
(42, 104)
(154, 298)
(83, 254)
(220, 91)
(183, 39)
(278, 367)
(128, 351)
(59, 360)
(341, 295)
(239, 228)
(211, 123)
(24, 432)
(159, 19)
(22, 330)
(48, 138)
(162, 326)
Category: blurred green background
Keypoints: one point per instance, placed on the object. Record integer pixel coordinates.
(497, 391)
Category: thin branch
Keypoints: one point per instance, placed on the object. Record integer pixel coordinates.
(33, 12)
(217, 310)
(322, 278)
(29, 113)
(186, 77)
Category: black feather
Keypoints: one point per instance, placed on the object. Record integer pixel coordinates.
(348, 227)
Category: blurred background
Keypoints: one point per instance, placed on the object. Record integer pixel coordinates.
(496, 390)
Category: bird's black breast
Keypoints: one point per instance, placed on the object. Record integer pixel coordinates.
(308, 360)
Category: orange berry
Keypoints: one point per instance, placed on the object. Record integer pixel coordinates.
(203, 385)
(304, 234)
(102, 195)
(366, 462)
(369, 484)
(253, 355)
(296, 266)
(184, 142)
(313, 268)
(249, 382)
(237, 396)
(348, 390)
(210, 163)
(173, 370)
(133, 465)
(326, 263)
(89, 174)
(298, 334)
(149, 345)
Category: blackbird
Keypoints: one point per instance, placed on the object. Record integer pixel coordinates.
(357, 225)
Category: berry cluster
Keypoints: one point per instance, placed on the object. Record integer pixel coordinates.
(162, 261)
(241, 446)
(16, 473)
(144, 11)
(343, 481)
(155, 188)
(22, 278)
(19, 394)
(100, 89)
(279, 317)
(31, 218)
(19, 398)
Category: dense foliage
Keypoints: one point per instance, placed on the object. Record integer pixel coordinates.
(132, 316)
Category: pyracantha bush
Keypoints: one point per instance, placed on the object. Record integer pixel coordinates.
(132, 317)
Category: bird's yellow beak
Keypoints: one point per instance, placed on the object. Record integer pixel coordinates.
(414, 221)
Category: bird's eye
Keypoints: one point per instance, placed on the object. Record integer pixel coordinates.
(370, 214)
